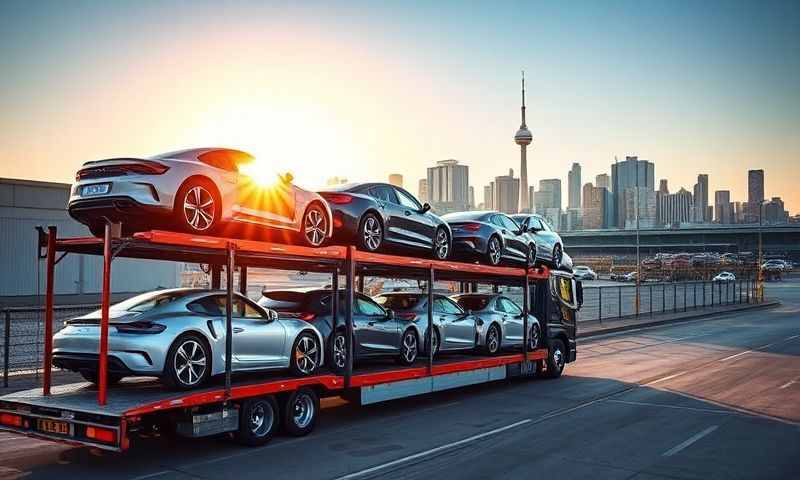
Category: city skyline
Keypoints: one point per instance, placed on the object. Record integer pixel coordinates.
(99, 83)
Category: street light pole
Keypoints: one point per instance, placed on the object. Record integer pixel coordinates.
(760, 278)
(638, 259)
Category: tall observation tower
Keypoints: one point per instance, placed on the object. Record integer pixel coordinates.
(523, 138)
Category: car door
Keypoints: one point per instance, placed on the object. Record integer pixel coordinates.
(512, 321)
(416, 227)
(516, 244)
(536, 229)
(258, 342)
(390, 210)
(272, 205)
(458, 327)
(377, 332)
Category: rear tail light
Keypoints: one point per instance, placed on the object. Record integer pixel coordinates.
(10, 420)
(140, 327)
(408, 316)
(105, 435)
(139, 168)
(338, 198)
(472, 227)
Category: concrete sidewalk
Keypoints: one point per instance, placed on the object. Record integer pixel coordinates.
(593, 328)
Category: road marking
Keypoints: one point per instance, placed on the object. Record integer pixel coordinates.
(151, 475)
(664, 379)
(432, 451)
(737, 355)
(676, 407)
(689, 441)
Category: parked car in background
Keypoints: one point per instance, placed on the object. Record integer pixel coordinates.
(724, 277)
(490, 237)
(582, 272)
(549, 247)
(777, 266)
(376, 216)
(454, 328)
(198, 190)
(499, 321)
(378, 332)
(179, 335)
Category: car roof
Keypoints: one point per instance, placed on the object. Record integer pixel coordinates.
(193, 153)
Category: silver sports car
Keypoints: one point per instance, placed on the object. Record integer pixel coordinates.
(500, 321)
(549, 246)
(198, 191)
(179, 335)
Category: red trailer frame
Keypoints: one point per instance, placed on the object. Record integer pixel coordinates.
(72, 405)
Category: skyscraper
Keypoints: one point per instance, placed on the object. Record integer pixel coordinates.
(631, 174)
(574, 186)
(602, 181)
(396, 179)
(523, 138)
(422, 190)
(675, 208)
(488, 196)
(471, 197)
(448, 186)
(506, 193)
(549, 195)
(755, 195)
(593, 207)
(723, 208)
(663, 186)
(701, 199)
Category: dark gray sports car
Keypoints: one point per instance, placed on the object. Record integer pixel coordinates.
(490, 237)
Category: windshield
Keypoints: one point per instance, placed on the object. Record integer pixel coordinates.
(473, 302)
(399, 301)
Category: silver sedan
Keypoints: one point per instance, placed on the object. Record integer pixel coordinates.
(199, 190)
(500, 321)
(179, 336)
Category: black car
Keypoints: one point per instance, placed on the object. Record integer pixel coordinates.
(377, 215)
(491, 237)
(378, 332)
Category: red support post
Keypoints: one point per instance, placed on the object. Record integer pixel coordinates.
(48, 309)
(102, 369)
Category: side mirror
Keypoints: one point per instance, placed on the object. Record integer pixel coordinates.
(426, 207)
(272, 315)
(579, 293)
(389, 314)
(287, 177)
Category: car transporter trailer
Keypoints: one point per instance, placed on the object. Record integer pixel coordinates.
(108, 418)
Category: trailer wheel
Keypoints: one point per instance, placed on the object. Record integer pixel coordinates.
(556, 359)
(258, 421)
(300, 412)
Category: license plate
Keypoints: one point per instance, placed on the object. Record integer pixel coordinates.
(96, 189)
(52, 426)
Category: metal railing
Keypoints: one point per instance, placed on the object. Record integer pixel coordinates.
(609, 302)
(23, 335)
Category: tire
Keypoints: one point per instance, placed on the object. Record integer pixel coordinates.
(315, 225)
(437, 342)
(187, 346)
(306, 355)
(337, 352)
(409, 348)
(534, 337)
(558, 255)
(556, 359)
(111, 378)
(193, 213)
(370, 233)
(492, 347)
(441, 244)
(258, 421)
(494, 251)
(300, 412)
(531, 255)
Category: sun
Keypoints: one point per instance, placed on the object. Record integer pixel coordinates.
(262, 174)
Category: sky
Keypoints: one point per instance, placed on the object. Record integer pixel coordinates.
(364, 89)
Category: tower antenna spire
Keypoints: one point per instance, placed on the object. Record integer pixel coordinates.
(523, 100)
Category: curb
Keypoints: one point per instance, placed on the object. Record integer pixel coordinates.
(656, 323)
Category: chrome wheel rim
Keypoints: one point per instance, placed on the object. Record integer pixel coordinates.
(190, 362)
(409, 347)
(372, 233)
(306, 355)
(492, 339)
(315, 227)
(303, 410)
(199, 208)
(533, 342)
(261, 420)
(558, 358)
(339, 351)
(442, 245)
(494, 251)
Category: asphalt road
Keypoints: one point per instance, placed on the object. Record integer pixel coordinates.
(706, 399)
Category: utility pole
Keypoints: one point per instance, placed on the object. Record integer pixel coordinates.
(638, 259)
(760, 278)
